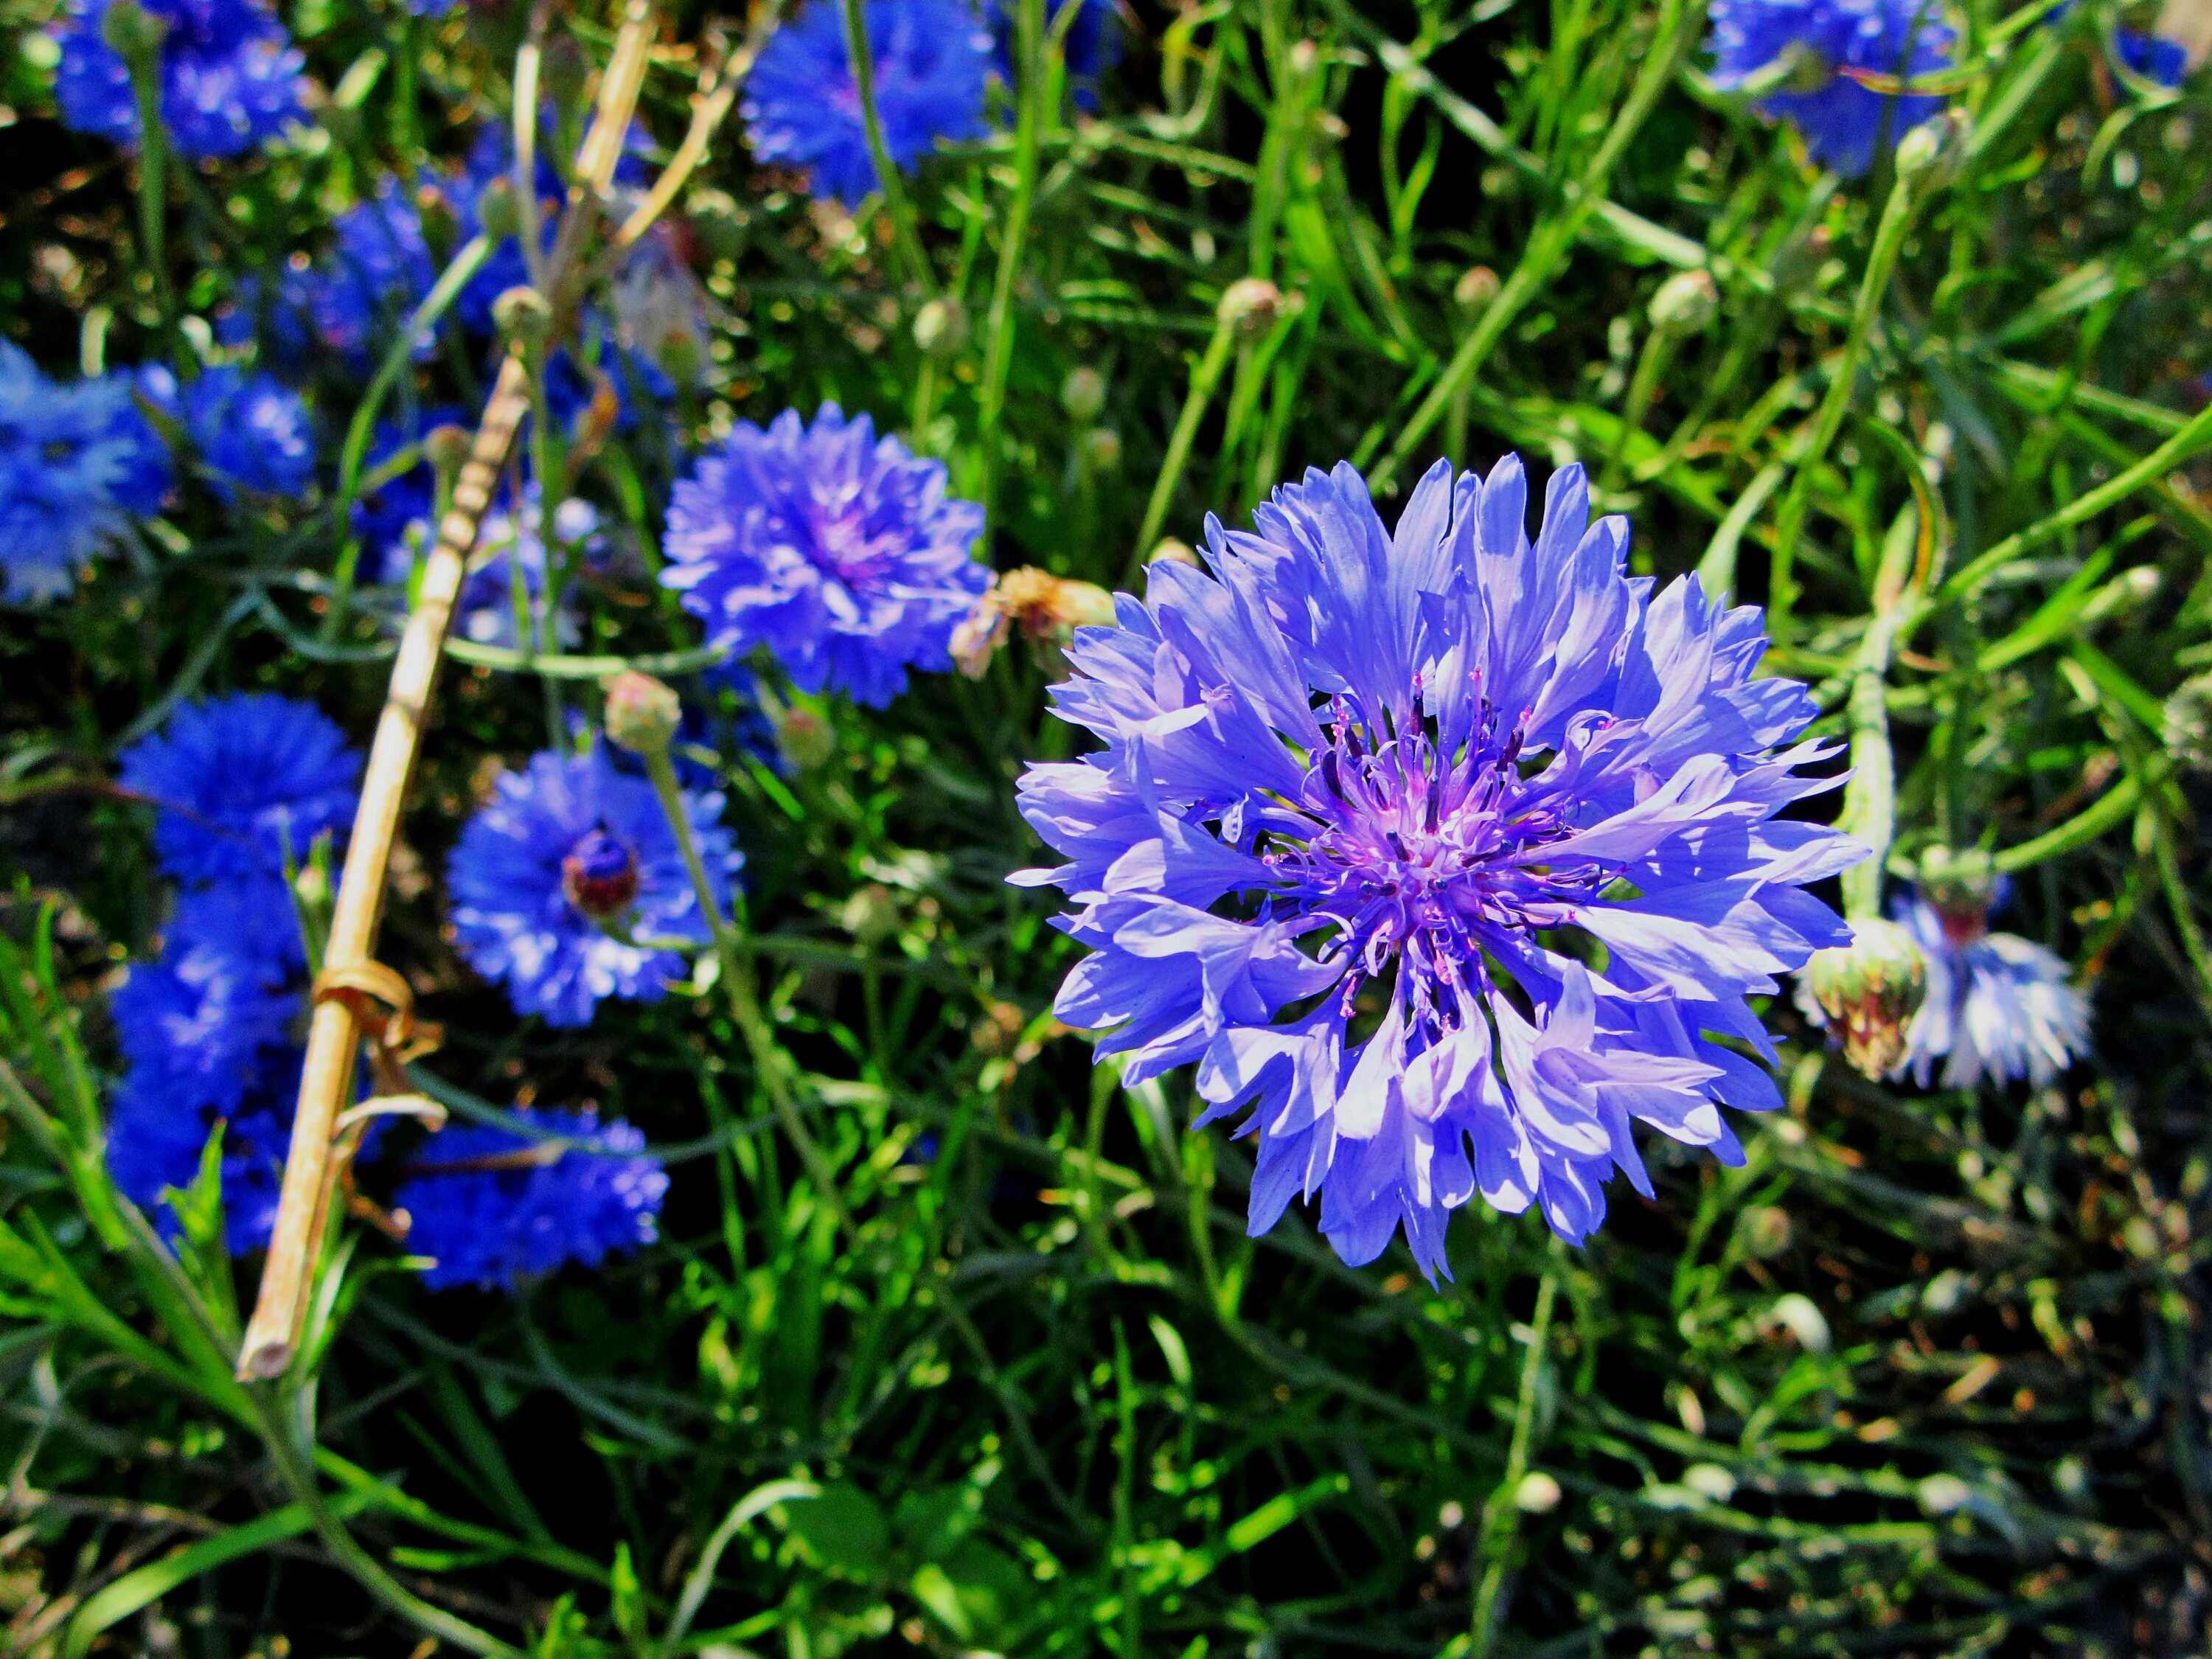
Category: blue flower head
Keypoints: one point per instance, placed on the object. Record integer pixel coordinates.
(494, 1207)
(1444, 856)
(561, 885)
(840, 552)
(377, 273)
(251, 434)
(2154, 56)
(1997, 1006)
(1842, 120)
(931, 60)
(78, 463)
(229, 76)
(1091, 47)
(154, 1139)
(241, 783)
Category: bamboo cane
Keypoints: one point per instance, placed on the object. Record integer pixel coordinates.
(272, 1335)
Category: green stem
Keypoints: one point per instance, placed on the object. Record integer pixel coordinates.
(1203, 380)
(153, 185)
(1869, 810)
(1888, 243)
(906, 233)
(1551, 239)
(770, 1061)
(1501, 1517)
(999, 346)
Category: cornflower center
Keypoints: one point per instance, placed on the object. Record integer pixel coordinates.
(1416, 855)
(599, 875)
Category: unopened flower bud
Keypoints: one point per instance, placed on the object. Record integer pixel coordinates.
(1684, 303)
(642, 713)
(940, 328)
(2188, 722)
(1869, 990)
(1102, 449)
(1174, 551)
(1929, 153)
(1477, 287)
(522, 315)
(1251, 305)
(135, 34)
(1083, 395)
(1766, 1230)
(806, 738)
(495, 210)
(1537, 1494)
(872, 915)
(446, 449)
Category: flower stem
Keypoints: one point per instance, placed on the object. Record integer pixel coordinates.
(998, 350)
(1501, 1515)
(1874, 283)
(1203, 380)
(770, 1061)
(906, 233)
(153, 185)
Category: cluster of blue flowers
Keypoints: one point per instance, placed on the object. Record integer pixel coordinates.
(242, 786)
(929, 65)
(1819, 46)
(1369, 808)
(210, 1031)
(228, 76)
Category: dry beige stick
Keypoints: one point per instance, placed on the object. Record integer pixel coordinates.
(334, 1037)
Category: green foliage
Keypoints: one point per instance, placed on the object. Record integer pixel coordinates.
(998, 1369)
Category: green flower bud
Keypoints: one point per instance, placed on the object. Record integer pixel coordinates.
(642, 713)
(1929, 153)
(446, 449)
(2188, 723)
(1251, 305)
(1684, 303)
(1083, 395)
(940, 328)
(495, 209)
(522, 315)
(805, 737)
(1870, 990)
(872, 915)
(1477, 287)
(1102, 449)
(135, 34)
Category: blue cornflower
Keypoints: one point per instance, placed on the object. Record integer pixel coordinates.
(276, 317)
(564, 886)
(494, 1207)
(931, 60)
(155, 1137)
(1998, 1005)
(243, 782)
(387, 516)
(2154, 56)
(1090, 48)
(230, 76)
(1370, 808)
(251, 433)
(838, 551)
(78, 462)
(377, 273)
(1842, 120)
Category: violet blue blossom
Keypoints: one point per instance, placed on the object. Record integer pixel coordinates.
(1997, 1006)
(1842, 120)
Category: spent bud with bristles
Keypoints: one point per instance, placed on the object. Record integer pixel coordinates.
(1083, 395)
(940, 328)
(1869, 991)
(135, 34)
(642, 713)
(1685, 302)
(522, 316)
(1477, 287)
(1047, 609)
(1251, 305)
